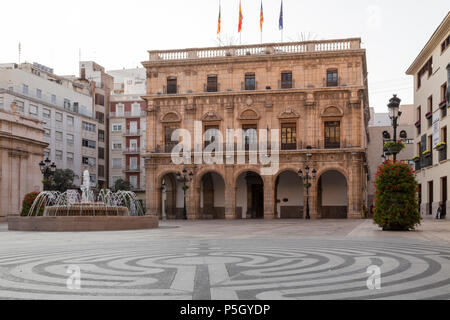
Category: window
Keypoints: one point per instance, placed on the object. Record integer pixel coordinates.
(59, 136)
(100, 117)
(250, 81)
(46, 113)
(89, 126)
(88, 144)
(117, 127)
(119, 110)
(133, 163)
(53, 99)
(101, 171)
(445, 44)
(134, 182)
(70, 121)
(59, 116)
(59, 155)
(286, 80)
(67, 104)
(212, 85)
(210, 134)
(99, 99)
(172, 87)
(430, 142)
(39, 93)
(117, 145)
(101, 153)
(443, 104)
(117, 163)
(250, 135)
(101, 135)
(69, 157)
(428, 67)
(47, 133)
(24, 89)
(135, 110)
(1, 102)
(332, 78)
(168, 143)
(430, 103)
(33, 110)
(70, 139)
(288, 136)
(332, 135)
(88, 161)
(20, 106)
(85, 160)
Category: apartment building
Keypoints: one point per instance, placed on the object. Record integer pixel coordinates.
(128, 129)
(431, 71)
(65, 108)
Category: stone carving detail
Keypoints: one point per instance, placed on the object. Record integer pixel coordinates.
(288, 114)
(211, 116)
(249, 114)
(332, 112)
(171, 116)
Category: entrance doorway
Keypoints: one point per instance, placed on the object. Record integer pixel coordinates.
(430, 198)
(212, 196)
(332, 195)
(250, 196)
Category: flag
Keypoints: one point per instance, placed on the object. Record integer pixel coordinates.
(219, 23)
(281, 26)
(241, 18)
(261, 17)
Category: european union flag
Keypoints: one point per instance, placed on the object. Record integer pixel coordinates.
(281, 17)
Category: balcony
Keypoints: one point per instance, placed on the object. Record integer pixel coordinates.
(255, 50)
(132, 169)
(418, 165)
(332, 145)
(132, 133)
(128, 114)
(132, 150)
(427, 161)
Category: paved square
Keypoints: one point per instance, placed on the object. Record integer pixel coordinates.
(279, 259)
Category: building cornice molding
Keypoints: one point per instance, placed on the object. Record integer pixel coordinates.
(434, 41)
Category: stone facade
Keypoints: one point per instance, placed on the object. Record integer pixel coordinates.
(21, 149)
(315, 93)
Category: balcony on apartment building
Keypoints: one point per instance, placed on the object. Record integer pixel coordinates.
(132, 150)
(140, 114)
(131, 168)
(132, 133)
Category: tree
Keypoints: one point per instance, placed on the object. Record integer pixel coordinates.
(122, 185)
(396, 204)
(27, 203)
(62, 181)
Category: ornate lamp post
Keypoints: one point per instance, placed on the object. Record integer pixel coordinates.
(47, 170)
(394, 114)
(307, 179)
(184, 179)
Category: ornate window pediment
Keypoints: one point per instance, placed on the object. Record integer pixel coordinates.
(211, 116)
(332, 112)
(289, 113)
(249, 114)
(171, 117)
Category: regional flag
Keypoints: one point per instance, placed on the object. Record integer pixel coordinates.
(219, 24)
(261, 17)
(241, 18)
(281, 25)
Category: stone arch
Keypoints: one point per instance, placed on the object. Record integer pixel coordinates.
(249, 194)
(171, 196)
(210, 188)
(249, 114)
(288, 194)
(332, 111)
(333, 193)
(171, 117)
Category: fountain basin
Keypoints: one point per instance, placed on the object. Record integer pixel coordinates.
(81, 223)
(86, 209)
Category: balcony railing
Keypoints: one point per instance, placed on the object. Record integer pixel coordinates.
(132, 132)
(260, 49)
(132, 169)
(128, 114)
(427, 161)
(132, 150)
(418, 165)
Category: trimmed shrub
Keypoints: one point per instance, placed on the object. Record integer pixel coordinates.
(396, 204)
(27, 203)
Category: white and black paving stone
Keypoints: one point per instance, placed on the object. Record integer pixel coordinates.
(223, 260)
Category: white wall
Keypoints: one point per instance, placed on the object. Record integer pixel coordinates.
(334, 189)
(219, 191)
(241, 194)
(290, 187)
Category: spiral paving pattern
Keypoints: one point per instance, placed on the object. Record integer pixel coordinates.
(229, 269)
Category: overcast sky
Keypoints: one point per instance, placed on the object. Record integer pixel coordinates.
(118, 33)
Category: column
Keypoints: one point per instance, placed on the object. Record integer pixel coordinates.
(269, 198)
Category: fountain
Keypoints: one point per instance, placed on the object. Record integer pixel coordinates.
(70, 211)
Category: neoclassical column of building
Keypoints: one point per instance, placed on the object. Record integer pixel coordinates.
(313, 94)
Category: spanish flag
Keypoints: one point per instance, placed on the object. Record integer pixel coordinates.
(241, 18)
(261, 17)
(219, 24)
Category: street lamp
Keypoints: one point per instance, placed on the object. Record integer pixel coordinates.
(394, 115)
(184, 179)
(307, 178)
(47, 169)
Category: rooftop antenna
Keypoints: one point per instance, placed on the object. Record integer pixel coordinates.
(20, 50)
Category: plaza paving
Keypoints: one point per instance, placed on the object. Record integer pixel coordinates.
(283, 259)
